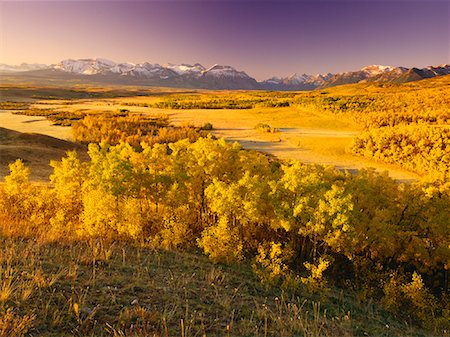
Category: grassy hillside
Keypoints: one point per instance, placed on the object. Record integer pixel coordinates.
(35, 150)
(98, 289)
(302, 228)
(111, 245)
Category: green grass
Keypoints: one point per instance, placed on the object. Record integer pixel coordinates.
(98, 289)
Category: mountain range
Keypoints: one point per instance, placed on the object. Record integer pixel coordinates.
(215, 77)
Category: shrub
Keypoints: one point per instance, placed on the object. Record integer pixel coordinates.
(221, 242)
(315, 282)
(265, 128)
(207, 126)
(270, 263)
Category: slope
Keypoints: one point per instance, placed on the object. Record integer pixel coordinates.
(92, 288)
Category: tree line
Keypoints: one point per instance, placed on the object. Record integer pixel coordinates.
(299, 225)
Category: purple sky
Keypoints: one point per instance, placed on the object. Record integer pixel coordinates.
(264, 38)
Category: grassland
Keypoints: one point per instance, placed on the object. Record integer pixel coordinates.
(35, 149)
(308, 134)
(112, 246)
(94, 289)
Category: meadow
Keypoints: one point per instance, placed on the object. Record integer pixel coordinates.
(158, 226)
(303, 132)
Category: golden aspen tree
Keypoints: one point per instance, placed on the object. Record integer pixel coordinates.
(68, 177)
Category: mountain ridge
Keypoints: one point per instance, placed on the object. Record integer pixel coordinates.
(219, 76)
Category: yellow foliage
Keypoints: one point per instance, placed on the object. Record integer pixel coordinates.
(411, 299)
(131, 221)
(269, 263)
(100, 214)
(238, 205)
(221, 242)
(16, 183)
(174, 235)
(315, 281)
(422, 148)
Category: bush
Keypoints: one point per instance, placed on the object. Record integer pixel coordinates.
(265, 128)
(207, 127)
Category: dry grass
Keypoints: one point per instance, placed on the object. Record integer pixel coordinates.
(305, 135)
(316, 132)
(36, 150)
(98, 289)
(33, 124)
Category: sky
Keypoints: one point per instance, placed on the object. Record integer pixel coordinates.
(262, 37)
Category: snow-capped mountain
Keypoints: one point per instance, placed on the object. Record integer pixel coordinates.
(365, 74)
(374, 70)
(85, 66)
(443, 69)
(226, 77)
(107, 67)
(215, 77)
(121, 68)
(377, 73)
(371, 73)
(296, 82)
(195, 70)
(224, 72)
(22, 67)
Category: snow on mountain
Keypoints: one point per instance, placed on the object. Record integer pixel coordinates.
(443, 69)
(374, 70)
(274, 80)
(221, 76)
(296, 82)
(216, 77)
(366, 74)
(187, 69)
(320, 79)
(226, 77)
(122, 68)
(224, 71)
(22, 67)
(151, 70)
(297, 79)
(86, 66)
(104, 67)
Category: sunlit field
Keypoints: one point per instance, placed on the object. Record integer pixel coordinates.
(314, 127)
(163, 212)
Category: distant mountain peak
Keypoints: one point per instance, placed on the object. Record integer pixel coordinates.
(22, 67)
(225, 71)
(377, 67)
(299, 77)
(219, 76)
(220, 67)
(186, 69)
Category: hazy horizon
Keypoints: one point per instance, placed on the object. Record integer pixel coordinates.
(262, 38)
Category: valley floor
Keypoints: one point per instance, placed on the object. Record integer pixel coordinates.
(312, 144)
(34, 140)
